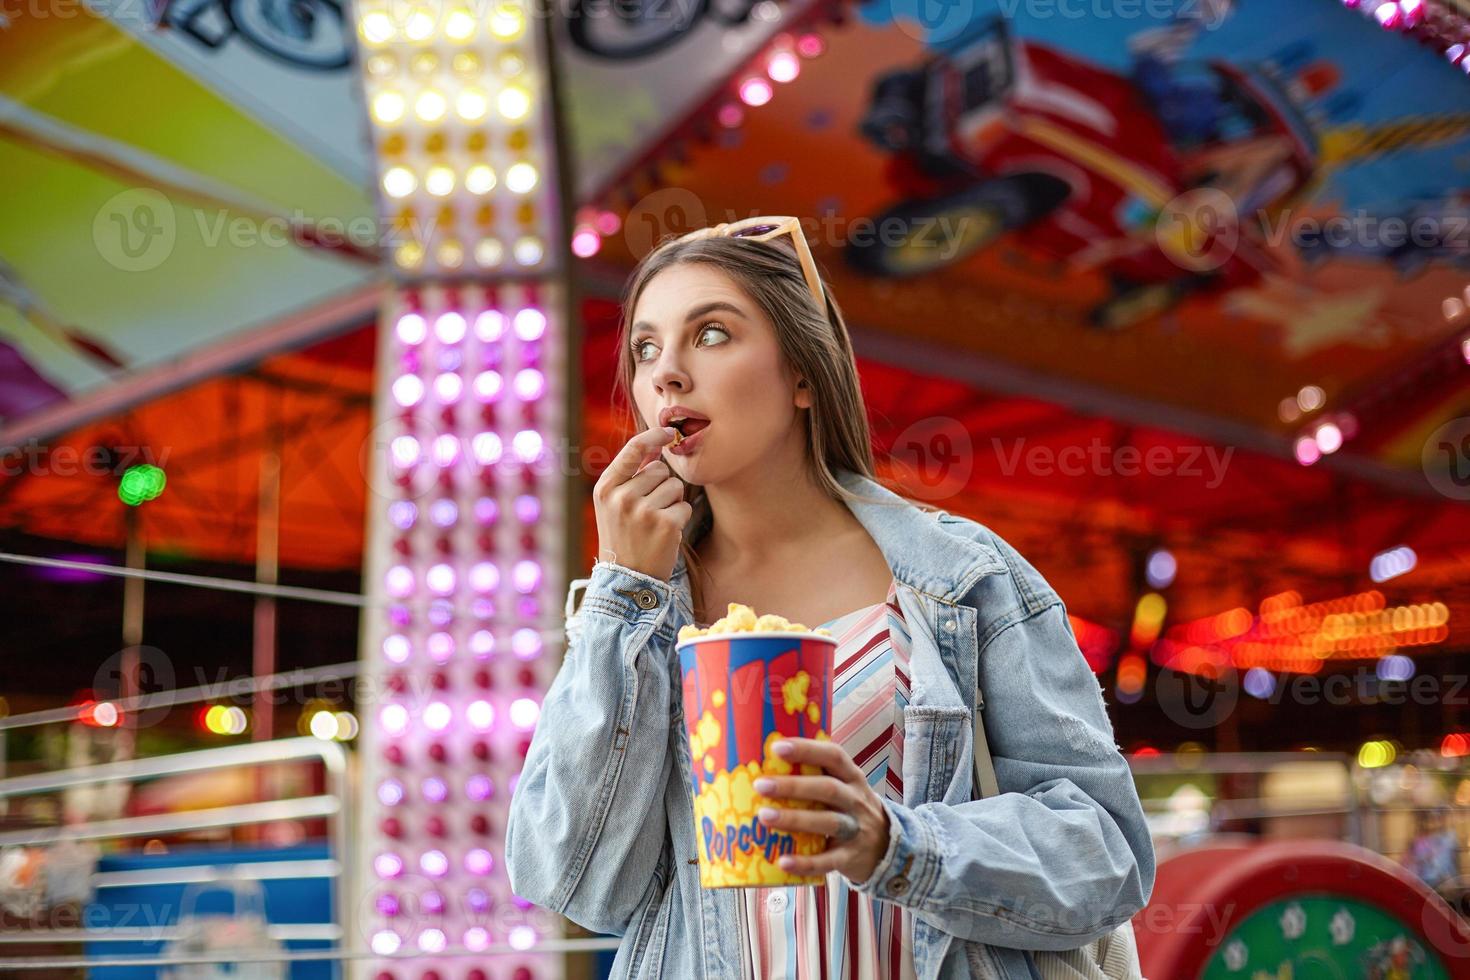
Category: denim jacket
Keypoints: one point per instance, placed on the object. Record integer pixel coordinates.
(601, 825)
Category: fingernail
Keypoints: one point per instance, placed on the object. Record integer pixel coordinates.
(767, 813)
(783, 748)
(764, 785)
(669, 430)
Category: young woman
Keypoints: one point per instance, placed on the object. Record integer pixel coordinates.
(765, 495)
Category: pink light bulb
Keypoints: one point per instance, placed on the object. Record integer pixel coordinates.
(783, 66)
(440, 579)
(412, 329)
(449, 327)
(529, 384)
(405, 451)
(408, 390)
(397, 648)
(437, 716)
(526, 576)
(478, 861)
(490, 326)
(487, 448)
(525, 643)
(755, 91)
(480, 715)
(482, 644)
(446, 450)
(730, 115)
(488, 385)
(530, 324)
(810, 45)
(476, 939)
(441, 647)
(586, 242)
(399, 581)
(528, 445)
(448, 388)
(523, 713)
(484, 576)
(393, 719)
(388, 865)
(432, 941)
(434, 864)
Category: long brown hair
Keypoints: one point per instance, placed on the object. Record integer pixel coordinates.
(814, 342)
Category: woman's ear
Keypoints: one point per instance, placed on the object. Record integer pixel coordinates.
(803, 394)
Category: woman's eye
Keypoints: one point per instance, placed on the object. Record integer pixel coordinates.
(703, 332)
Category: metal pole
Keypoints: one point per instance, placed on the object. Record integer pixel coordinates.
(267, 572)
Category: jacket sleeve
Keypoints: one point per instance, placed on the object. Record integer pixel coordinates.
(1062, 855)
(586, 827)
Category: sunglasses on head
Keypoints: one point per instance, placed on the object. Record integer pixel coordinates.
(763, 229)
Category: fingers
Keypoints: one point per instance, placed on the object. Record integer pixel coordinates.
(801, 821)
(635, 452)
(670, 491)
(815, 864)
(819, 789)
(829, 755)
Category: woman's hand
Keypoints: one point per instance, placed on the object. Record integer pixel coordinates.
(844, 789)
(641, 511)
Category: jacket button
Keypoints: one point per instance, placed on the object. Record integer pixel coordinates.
(949, 626)
(777, 902)
(898, 885)
(644, 598)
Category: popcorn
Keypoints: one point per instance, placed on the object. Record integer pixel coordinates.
(740, 618)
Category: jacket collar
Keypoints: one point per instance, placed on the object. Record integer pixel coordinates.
(921, 552)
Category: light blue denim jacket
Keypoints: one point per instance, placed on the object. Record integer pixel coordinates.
(601, 826)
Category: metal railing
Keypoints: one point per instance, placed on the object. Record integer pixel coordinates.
(333, 805)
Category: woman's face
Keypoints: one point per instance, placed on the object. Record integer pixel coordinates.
(699, 342)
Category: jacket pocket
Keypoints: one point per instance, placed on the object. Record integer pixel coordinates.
(935, 739)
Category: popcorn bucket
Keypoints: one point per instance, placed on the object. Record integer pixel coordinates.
(743, 692)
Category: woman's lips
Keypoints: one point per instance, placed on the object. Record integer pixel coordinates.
(689, 442)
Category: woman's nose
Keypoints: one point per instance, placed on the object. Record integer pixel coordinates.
(669, 375)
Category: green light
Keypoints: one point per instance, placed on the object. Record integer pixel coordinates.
(140, 484)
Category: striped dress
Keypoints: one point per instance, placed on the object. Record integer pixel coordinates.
(832, 931)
